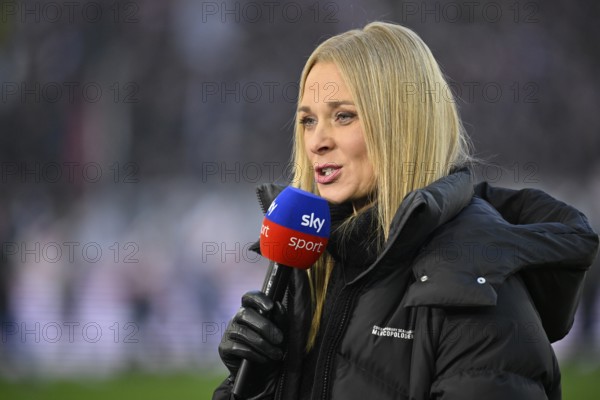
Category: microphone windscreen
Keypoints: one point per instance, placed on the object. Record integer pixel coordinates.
(295, 230)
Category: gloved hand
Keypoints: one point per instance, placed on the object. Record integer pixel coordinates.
(255, 333)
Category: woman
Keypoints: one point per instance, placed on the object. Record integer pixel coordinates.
(431, 287)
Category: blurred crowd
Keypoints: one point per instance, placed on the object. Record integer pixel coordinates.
(133, 135)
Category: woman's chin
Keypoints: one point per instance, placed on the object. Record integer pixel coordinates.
(332, 196)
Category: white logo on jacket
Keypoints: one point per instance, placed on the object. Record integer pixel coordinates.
(396, 333)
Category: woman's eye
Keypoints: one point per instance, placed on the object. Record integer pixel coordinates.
(345, 117)
(307, 121)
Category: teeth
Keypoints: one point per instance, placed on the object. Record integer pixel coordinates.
(327, 171)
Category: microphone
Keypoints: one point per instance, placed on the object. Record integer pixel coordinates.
(294, 234)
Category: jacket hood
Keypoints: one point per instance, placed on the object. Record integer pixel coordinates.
(500, 233)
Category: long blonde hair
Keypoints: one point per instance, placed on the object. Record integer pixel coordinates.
(412, 129)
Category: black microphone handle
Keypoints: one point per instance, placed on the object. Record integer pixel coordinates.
(274, 287)
(276, 281)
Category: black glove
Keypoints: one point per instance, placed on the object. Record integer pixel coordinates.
(255, 333)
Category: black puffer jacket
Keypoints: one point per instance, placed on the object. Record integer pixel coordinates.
(496, 276)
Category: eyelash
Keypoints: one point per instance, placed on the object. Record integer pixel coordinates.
(345, 114)
(307, 121)
(304, 121)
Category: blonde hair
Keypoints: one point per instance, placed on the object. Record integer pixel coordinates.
(412, 129)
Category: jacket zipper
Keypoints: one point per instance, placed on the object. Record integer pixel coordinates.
(279, 389)
(281, 382)
(260, 200)
(336, 340)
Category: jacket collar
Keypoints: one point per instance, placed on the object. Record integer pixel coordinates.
(419, 214)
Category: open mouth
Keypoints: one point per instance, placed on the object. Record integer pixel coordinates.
(327, 173)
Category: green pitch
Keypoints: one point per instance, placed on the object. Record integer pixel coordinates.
(578, 384)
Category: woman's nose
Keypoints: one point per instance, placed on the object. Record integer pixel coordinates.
(321, 141)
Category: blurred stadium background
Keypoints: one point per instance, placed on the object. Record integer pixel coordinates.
(133, 135)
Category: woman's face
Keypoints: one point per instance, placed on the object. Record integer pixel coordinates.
(334, 138)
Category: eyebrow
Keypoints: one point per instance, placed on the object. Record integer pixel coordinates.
(331, 104)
